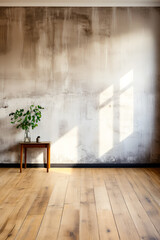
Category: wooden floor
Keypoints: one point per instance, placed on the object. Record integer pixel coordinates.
(85, 204)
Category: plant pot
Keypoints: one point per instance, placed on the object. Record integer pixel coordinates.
(27, 136)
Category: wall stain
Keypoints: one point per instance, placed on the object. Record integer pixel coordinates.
(73, 61)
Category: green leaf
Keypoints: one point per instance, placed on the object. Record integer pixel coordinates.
(19, 120)
(27, 119)
(40, 107)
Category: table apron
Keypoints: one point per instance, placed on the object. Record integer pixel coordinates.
(36, 146)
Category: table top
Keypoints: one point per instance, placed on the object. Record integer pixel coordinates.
(35, 143)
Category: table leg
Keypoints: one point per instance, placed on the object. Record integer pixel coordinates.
(21, 160)
(48, 157)
(25, 151)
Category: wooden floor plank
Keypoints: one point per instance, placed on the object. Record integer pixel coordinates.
(58, 195)
(4, 176)
(73, 190)
(80, 204)
(150, 206)
(87, 190)
(88, 226)
(69, 226)
(141, 220)
(106, 222)
(148, 184)
(23, 204)
(154, 176)
(125, 224)
(16, 218)
(51, 223)
(13, 179)
(52, 218)
(9, 203)
(29, 228)
(32, 222)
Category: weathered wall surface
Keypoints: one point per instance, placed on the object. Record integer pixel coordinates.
(96, 72)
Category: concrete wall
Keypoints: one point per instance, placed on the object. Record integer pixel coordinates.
(82, 3)
(96, 72)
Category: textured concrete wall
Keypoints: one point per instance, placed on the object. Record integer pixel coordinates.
(82, 3)
(96, 72)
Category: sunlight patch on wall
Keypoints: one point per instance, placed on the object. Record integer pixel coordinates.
(126, 105)
(106, 95)
(65, 148)
(106, 121)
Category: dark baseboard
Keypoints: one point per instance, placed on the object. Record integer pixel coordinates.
(84, 165)
(104, 165)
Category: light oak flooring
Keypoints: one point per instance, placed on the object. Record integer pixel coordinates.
(85, 204)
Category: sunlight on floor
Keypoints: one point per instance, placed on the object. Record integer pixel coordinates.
(65, 171)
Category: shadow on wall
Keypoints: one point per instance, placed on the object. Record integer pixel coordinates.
(156, 132)
(95, 74)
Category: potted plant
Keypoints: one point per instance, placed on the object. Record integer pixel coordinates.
(27, 120)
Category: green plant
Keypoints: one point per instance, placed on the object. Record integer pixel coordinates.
(27, 119)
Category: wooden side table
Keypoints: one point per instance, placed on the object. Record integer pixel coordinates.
(25, 145)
